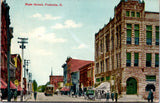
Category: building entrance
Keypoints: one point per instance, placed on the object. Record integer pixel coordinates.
(131, 86)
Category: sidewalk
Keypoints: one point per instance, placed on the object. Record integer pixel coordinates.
(25, 98)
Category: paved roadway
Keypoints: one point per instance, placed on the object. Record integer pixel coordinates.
(59, 98)
(41, 98)
(64, 98)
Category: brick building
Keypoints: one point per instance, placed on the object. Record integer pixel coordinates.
(87, 76)
(18, 72)
(127, 50)
(55, 80)
(73, 73)
(5, 29)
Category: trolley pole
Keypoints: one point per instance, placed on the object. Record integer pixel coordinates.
(22, 46)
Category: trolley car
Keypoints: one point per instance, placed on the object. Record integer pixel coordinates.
(49, 90)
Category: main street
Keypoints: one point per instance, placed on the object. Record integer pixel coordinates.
(41, 98)
(60, 98)
(69, 99)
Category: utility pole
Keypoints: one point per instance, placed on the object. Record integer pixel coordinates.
(26, 62)
(22, 46)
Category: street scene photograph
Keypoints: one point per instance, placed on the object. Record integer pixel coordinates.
(64, 51)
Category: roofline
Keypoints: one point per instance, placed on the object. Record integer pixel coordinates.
(56, 75)
(152, 12)
(83, 60)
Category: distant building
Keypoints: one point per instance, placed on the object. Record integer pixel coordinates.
(55, 80)
(87, 76)
(73, 74)
(127, 50)
(64, 66)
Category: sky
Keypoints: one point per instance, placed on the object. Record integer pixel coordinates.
(57, 32)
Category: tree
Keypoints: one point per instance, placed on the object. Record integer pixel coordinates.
(34, 85)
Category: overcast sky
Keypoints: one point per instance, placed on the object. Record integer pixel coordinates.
(56, 32)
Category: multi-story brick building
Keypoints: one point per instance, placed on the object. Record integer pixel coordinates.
(87, 76)
(73, 73)
(127, 50)
(5, 30)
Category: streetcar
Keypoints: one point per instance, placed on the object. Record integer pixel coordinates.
(49, 90)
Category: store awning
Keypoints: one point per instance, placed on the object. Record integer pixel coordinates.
(12, 86)
(3, 84)
(19, 88)
(104, 86)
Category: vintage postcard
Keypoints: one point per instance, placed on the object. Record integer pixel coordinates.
(80, 50)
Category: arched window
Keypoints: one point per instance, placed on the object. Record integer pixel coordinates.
(150, 86)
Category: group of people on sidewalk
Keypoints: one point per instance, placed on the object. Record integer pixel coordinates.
(113, 96)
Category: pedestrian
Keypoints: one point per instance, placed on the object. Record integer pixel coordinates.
(0, 95)
(15, 95)
(152, 95)
(99, 95)
(112, 96)
(116, 96)
(107, 96)
(149, 96)
(35, 95)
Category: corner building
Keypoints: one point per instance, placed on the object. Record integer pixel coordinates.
(127, 50)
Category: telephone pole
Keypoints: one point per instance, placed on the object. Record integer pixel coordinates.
(26, 62)
(22, 46)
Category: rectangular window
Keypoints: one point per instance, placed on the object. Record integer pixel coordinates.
(138, 14)
(129, 33)
(108, 78)
(136, 59)
(157, 35)
(97, 49)
(98, 80)
(97, 67)
(107, 44)
(102, 66)
(112, 62)
(150, 78)
(148, 59)
(156, 60)
(136, 32)
(128, 61)
(102, 79)
(149, 35)
(127, 13)
(117, 60)
(133, 14)
(106, 65)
